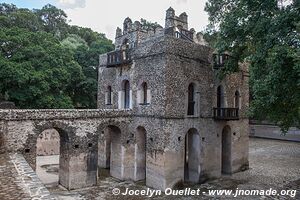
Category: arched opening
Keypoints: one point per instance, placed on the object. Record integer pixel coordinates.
(192, 156)
(226, 150)
(126, 94)
(237, 99)
(108, 95)
(51, 155)
(191, 99)
(140, 154)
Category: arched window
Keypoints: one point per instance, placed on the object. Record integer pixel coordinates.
(220, 97)
(191, 99)
(143, 94)
(237, 99)
(126, 90)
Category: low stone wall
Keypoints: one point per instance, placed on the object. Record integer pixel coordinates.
(274, 132)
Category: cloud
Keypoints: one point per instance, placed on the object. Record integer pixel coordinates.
(71, 4)
(105, 16)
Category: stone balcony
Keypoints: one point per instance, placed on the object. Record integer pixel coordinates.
(118, 57)
(226, 113)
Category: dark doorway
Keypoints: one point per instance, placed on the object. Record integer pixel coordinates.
(192, 156)
(226, 150)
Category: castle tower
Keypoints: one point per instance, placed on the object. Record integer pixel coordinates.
(170, 15)
(172, 20)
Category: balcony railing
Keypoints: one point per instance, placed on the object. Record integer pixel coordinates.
(226, 113)
(182, 33)
(219, 60)
(118, 57)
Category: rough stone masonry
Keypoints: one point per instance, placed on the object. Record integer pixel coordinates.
(163, 114)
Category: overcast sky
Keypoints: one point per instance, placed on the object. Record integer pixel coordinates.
(105, 15)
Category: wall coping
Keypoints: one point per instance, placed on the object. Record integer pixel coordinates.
(43, 114)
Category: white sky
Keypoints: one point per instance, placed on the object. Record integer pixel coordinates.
(105, 15)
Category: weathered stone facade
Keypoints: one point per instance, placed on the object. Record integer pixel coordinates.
(155, 119)
(168, 60)
(78, 130)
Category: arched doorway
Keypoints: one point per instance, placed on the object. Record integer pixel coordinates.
(192, 156)
(51, 157)
(140, 154)
(226, 150)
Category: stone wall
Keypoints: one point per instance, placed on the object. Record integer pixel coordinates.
(48, 143)
(78, 131)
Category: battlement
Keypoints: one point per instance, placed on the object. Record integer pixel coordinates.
(133, 33)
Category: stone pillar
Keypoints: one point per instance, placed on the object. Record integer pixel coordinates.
(121, 162)
(155, 173)
(164, 169)
(128, 162)
(116, 159)
(104, 151)
(82, 171)
(78, 166)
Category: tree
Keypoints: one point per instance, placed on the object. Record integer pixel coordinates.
(36, 71)
(147, 25)
(54, 20)
(10, 16)
(88, 57)
(265, 34)
(73, 42)
(74, 53)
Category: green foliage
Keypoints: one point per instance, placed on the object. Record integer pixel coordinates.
(46, 63)
(36, 71)
(267, 36)
(147, 25)
(73, 42)
(54, 20)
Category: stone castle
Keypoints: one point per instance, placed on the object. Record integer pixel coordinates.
(189, 125)
(163, 114)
